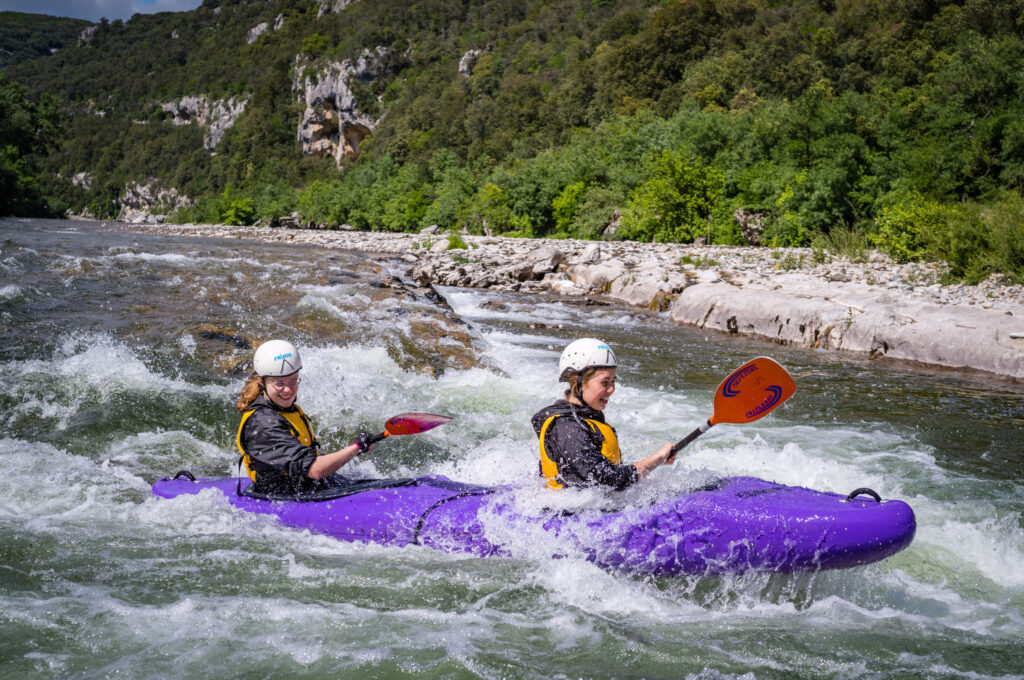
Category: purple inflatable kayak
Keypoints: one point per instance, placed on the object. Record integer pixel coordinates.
(736, 525)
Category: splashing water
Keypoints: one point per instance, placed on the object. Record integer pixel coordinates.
(121, 357)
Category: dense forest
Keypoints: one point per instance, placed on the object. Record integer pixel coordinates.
(839, 124)
(29, 36)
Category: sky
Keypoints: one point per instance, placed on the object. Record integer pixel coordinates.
(94, 9)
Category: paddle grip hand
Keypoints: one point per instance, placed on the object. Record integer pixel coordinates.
(364, 440)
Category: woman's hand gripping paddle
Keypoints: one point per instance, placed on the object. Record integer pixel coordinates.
(409, 423)
(750, 392)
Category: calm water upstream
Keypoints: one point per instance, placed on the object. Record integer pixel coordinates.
(120, 359)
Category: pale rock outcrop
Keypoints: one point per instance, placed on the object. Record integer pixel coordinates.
(613, 225)
(86, 36)
(649, 284)
(256, 31)
(544, 260)
(329, 6)
(858, 319)
(332, 124)
(82, 179)
(468, 61)
(216, 116)
(149, 203)
(751, 225)
(596, 277)
(259, 29)
(591, 254)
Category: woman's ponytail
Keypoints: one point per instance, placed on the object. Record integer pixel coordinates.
(252, 389)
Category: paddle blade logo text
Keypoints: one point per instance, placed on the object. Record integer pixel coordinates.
(730, 388)
(774, 396)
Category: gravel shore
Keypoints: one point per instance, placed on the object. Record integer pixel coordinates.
(794, 296)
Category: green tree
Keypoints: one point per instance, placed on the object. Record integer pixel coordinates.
(682, 201)
(26, 127)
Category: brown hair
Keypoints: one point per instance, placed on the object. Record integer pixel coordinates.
(253, 388)
(576, 381)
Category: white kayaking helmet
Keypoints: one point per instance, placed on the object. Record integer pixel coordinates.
(582, 354)
(276, 358)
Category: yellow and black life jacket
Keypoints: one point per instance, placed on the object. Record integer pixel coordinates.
(298, 423)
(609, 447)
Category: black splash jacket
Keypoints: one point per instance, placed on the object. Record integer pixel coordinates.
(279, 460)
(575, 448)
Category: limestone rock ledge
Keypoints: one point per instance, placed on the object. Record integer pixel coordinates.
(217, 116)
(794, 297)
(855, 319)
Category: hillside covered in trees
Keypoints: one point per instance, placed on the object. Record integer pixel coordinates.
(837, 123)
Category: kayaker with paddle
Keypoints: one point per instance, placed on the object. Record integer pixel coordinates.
(279, 450)
(577, 447)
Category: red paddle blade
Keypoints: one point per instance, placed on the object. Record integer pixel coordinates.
(413, 423)
(752, 391)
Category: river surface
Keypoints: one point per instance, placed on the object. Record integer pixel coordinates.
(120, 359)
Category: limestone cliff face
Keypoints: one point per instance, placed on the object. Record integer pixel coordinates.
(216, 116)
(86, 36)
(328, 6)
(332, 124)
(259, 29)
(468, 61)
(141, 203)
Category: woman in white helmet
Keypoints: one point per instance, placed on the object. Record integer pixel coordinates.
(577, 446)
(279, 450)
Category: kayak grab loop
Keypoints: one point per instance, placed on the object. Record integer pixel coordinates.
(184, 473)
(866, 491)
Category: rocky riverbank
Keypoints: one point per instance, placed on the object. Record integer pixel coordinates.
(793, 296)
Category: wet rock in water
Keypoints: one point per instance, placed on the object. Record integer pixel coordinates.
(224, 336)
(227, 351)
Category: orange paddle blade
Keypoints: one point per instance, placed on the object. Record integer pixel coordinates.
(414, 423)
(752, 391)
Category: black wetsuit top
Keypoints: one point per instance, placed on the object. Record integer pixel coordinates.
(576, 448)
(279, 460)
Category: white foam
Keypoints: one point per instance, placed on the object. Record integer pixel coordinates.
(10, 292)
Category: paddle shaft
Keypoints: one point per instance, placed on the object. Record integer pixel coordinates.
(704, 427)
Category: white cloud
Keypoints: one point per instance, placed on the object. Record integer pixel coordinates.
(93, 10)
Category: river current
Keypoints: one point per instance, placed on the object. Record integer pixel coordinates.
(120, 359)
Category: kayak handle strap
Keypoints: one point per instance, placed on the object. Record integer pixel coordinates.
(865, 491)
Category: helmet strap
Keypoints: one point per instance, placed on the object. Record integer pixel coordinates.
(577, 386)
